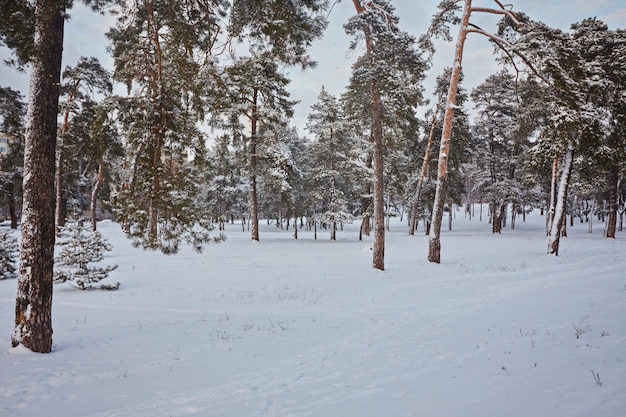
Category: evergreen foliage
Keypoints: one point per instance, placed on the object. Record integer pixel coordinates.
(8, 250)
(79, 248)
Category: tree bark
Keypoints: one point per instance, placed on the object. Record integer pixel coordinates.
(553, 191)
(434, 238)
(33, 304)
(498, 216)
(12, 211)
(613, 191)
(561, 200)
(94, 195)
(425, 162)
(378, 261)
(252, 167)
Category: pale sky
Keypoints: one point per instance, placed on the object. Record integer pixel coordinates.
(84, 36)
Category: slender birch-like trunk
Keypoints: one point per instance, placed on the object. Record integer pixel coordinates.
(561, 200)
(94, 195)
(425, 162)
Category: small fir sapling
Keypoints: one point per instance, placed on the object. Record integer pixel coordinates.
(80, 247)
(8, 250)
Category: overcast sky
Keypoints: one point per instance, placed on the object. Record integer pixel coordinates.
(85, 31)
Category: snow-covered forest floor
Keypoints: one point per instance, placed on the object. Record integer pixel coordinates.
(308, 328)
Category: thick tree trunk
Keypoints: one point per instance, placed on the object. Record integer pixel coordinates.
(559, 211)
(613, 191)
(498, 216)
(33, 304)
(434, 238)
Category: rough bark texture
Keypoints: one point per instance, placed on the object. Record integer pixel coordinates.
(33, 304)
(434, 239)
(497, 218)
(378, 261)
(252, 168)
(559, 211)
(613, 191)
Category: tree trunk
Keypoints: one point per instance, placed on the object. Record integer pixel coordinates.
(252, 167)
(613, 190)
(425, 163)
(59, 212)
(94, 195)
(553, 191)
(12, 211)
(378, 261)
(434, 238)
(33, 303)
(498, 216)
(559, 211)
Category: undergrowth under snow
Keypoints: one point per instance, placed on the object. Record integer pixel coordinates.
(308, 328)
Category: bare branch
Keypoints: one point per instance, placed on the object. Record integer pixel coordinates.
(502, 12)
(509, 49)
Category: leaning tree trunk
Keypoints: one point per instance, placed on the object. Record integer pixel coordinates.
(559, 211)
(434, 238)
(33, 304)
(425, 163)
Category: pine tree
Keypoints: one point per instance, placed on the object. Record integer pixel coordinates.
(8, 250)
(332, 165)
(278, 33)
(80, 247)
(33, 311)
(80, 85)
(500, 150)
(439, 28)
(390, 72)
(164, 53)
(12, 111)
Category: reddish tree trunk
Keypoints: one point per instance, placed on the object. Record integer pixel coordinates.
(425, 162)
(434, 238)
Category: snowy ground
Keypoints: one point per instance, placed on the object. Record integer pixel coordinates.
(307, 328)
